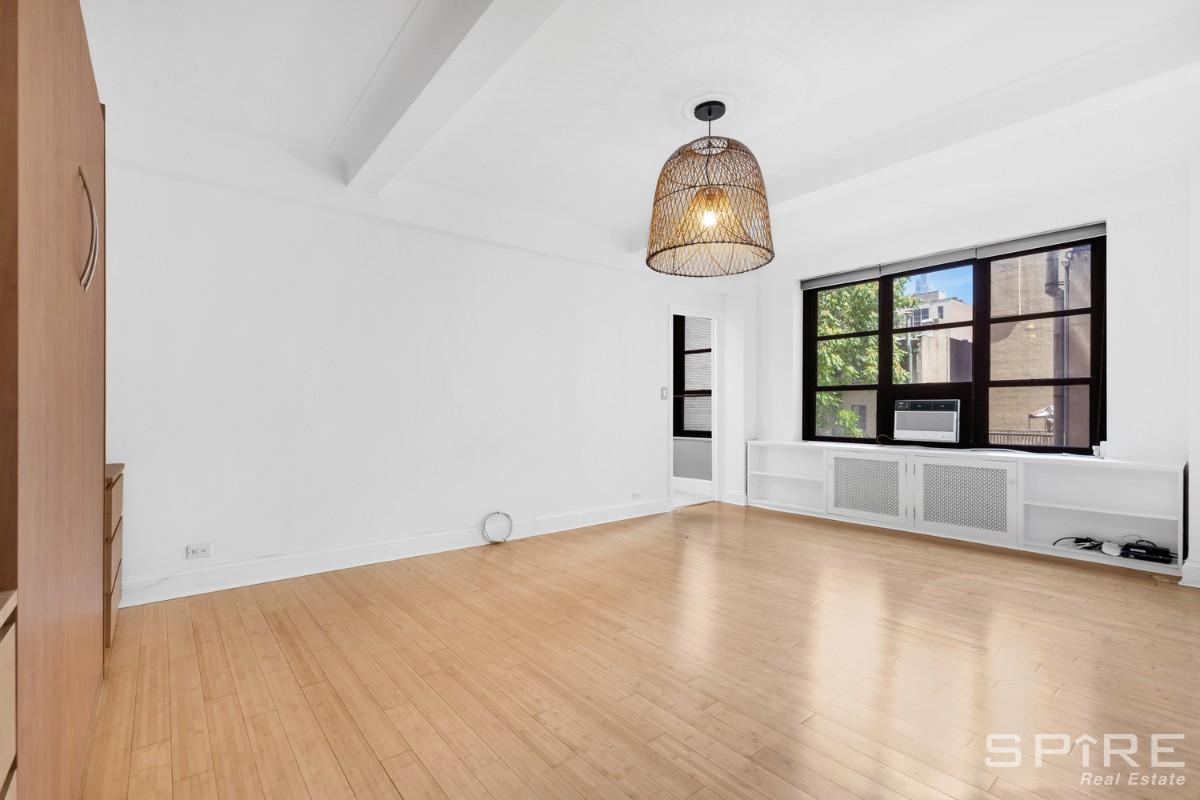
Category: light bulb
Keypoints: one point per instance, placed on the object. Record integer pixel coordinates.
(708, 219)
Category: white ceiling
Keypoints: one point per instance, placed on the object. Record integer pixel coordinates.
(567, 108)
(290, 68)
(578, 123)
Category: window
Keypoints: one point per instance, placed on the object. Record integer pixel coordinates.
(1016, 337)
(693, 377)
(846, 357)
(1042, 346)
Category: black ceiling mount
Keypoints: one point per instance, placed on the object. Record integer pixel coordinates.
(709, 110)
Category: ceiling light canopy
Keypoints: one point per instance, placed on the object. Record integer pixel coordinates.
(710, 208)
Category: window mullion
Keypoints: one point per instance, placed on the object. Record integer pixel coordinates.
(1067, 312)
(981, 352)
(831, 337)
(884, 422)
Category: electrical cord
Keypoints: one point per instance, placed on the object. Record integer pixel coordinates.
(1080, 542)
(1090, 543)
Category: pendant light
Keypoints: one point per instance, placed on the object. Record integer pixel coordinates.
(710, 208)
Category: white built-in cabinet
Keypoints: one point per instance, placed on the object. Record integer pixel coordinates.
(1005, 498)
(871, 486)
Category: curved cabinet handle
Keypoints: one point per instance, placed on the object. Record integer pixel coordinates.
(89, 266)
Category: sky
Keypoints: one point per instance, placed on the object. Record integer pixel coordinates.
(953, 282)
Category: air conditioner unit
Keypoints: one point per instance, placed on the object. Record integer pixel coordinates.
(926, 420)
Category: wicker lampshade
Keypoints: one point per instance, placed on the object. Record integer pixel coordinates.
(710, 212)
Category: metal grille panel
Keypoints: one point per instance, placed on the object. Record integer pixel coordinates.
(866, 484)
(968, 497)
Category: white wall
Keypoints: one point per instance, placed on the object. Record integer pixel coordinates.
(1037, 179)
(306, 388)
(1191, 570)
(738, 409)
(293, 376)
(1123, 159)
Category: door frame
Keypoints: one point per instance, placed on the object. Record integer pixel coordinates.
(717, 427)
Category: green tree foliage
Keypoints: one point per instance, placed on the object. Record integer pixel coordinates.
(853, 360)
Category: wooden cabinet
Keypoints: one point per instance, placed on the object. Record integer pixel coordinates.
(114, 498)
(52, 383)
(8, 690)
(112, 602)
(112, 560)
(114, 494)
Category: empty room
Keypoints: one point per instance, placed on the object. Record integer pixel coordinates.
(572, 399)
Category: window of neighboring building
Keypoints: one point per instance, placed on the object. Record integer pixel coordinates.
(1016, 337)
(693, 376)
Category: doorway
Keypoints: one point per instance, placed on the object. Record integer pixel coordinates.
(693, 393)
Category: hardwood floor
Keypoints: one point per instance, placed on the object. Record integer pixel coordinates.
(713, 652)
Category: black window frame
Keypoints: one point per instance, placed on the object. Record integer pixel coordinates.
(679, 351)
(972, 395)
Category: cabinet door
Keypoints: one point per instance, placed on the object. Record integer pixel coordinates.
(973, 499)
(868, 486)
(59, 391)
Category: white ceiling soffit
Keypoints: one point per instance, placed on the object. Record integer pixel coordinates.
(1143, 55)
(444, 55)
(1121, 65)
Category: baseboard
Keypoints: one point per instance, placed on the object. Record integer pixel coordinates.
(692, 486)
(1191, 574)
(143, 589)
(734, 498)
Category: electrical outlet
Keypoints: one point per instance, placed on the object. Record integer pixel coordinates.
(636, 496)
(199, 550)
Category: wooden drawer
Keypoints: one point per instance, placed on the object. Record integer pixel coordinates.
(112, 602)
(112, 557)
(114, 496)
(8, 698)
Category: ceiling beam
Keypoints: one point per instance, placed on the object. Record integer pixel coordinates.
(445, 54)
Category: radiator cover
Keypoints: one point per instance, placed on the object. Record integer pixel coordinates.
(966, 500)
(871, 488)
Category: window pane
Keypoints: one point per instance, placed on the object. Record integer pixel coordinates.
(848, 309)
(697, 333)
(1054, 280)
(1039, 416)
(847, 414)
(697, 414)
(931, 298)
(941, 356)
(697, 371)
(1037, 349)
(848, 362)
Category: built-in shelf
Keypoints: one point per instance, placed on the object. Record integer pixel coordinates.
(789, 476)
(773, 506)
(1100, 558)
(1044, 497)
(1106, 511)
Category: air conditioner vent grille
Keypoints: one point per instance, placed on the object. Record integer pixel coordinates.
(967, 497)
(940, 421)
(866, 484)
